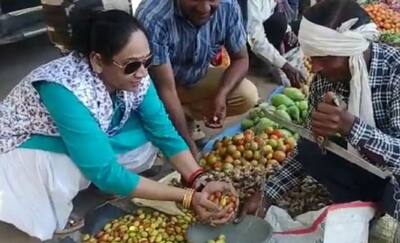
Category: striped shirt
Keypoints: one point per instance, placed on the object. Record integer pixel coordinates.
(189, 48)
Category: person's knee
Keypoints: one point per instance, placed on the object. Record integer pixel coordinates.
(244, 98)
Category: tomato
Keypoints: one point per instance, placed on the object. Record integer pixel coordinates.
(237, 155)
(277, 133)
(279, 156)
(228, 159)
(218, 166)
(291, 142)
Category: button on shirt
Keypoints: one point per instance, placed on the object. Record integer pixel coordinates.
(187, 47)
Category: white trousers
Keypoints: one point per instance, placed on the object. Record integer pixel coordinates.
(37, 187)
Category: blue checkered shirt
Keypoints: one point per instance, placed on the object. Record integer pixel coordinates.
(188, 48)
(380, 144)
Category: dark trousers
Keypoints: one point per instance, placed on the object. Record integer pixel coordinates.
(275, 29)
(345, 181)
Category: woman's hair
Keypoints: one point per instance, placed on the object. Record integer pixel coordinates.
(332, 13)
(104, 32)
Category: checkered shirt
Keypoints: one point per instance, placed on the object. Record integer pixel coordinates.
(380, 145)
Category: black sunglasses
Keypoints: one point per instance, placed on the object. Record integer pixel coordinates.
(132, 66)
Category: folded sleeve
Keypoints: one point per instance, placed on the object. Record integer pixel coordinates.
(87, 145)
(257, 38)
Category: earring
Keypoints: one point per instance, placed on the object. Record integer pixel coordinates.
(97, 69)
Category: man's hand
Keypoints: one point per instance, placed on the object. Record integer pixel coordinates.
(256, 205)
(295, 76)
(217, 117)
(291, 39)
(233, 75)
(329, 119)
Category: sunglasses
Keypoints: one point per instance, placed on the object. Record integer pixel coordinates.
(132, 66)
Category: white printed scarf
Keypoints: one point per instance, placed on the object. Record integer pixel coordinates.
(22, 114)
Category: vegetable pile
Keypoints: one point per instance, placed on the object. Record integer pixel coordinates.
(292, 105)
(391, 38)
(308, 196)
(386, 18)
(247, 159)
(145, 226)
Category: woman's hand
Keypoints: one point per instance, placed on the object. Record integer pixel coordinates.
(221, 216)
(204, 208)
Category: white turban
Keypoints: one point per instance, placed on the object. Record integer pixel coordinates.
(316, 41)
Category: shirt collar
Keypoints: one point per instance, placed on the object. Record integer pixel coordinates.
(179, 14)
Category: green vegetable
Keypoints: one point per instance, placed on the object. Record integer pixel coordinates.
(254, 113)
(294, 113)
(303, 105)
(269, 108)
(283, 114)
(391, 38)
(294, 94)
(264, 106)
(304, 114)
(296, 136)
(247, 123)
(282, 107)
(263, 124)
(281, 99)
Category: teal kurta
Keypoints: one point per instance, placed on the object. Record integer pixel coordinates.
(82, 139)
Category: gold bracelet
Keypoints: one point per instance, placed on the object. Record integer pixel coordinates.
(192, 192)
(184, 201)
(187, 198)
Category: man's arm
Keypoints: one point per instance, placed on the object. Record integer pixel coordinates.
(257, 37)
(235, 44)
(377, 146)
(235, 73)
(263, 48)
(164, 80)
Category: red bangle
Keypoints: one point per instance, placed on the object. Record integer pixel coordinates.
(194, 175)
